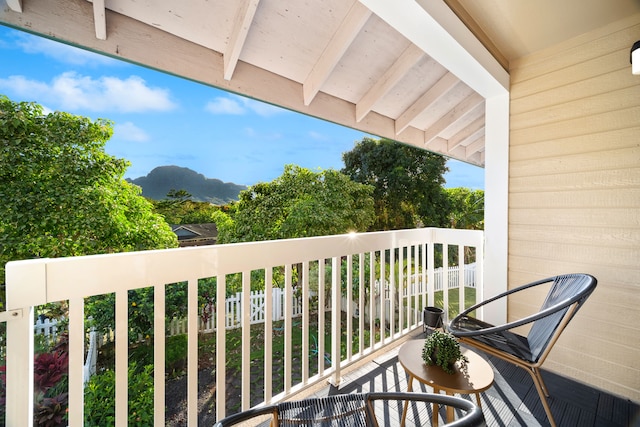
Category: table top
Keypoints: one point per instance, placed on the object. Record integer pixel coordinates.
(477, 377)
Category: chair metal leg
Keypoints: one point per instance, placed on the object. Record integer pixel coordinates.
(543, 393)
(538, 375)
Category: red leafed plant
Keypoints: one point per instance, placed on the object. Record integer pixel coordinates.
(49, 369)
(50, 381)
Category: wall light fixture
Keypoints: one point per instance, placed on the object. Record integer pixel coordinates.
(635, 58)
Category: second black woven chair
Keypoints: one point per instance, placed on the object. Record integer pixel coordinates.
(347, 410)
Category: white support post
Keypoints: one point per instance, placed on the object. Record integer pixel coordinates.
(496, 206)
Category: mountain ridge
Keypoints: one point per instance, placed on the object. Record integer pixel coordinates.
(157, 183)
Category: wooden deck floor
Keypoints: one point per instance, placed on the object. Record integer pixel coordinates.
(511, 401)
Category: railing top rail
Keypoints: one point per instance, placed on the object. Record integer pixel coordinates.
(38, 281)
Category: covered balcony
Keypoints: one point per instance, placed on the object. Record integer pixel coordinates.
(541, 96)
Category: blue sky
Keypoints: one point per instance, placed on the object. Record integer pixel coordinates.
(164, 120)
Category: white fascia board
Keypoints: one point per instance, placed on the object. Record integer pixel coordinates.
(433, 27)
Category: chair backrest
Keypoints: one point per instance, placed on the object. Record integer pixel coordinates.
(570, 290)
(336, 410)
(358, 409)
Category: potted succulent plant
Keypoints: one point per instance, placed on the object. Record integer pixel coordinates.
(442, 349)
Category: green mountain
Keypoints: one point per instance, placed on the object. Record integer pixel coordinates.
(162, 179)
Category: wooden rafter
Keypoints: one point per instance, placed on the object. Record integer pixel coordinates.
(333, 52)
(100, 19)
(468, 133)
(460, 112)
(244, 18)
(399, 69)
(438, 90)
(15, 5)
(475, 146)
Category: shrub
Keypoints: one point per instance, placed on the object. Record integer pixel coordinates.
(99, 398)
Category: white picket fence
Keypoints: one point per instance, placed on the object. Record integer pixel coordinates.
(233, 305)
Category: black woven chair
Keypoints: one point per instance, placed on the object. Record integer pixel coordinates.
(349, 410)
(566, 295)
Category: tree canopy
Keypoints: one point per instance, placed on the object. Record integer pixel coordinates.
(179, 208)
(299, 203)
(62, 194)
(407, 182)
(466, 208)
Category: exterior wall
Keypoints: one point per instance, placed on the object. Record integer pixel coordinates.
(574, 196)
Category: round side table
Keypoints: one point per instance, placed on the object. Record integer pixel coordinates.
(476, 378)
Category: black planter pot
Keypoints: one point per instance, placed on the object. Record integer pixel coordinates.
(432, 317)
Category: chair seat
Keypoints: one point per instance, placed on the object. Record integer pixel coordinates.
(506, 341)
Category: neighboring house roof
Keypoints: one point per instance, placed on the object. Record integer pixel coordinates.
(196, 234)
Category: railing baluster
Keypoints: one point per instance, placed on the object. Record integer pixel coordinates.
(245, 325)
(336, 320)
(192, 352)
(305, 322)
(19, 374)
(321, 311)
(158, 355)
(76, 361)
(349, 303)
(122, 352)
(268, 334)
(361, 305)
(221, 347)
(288, 319)
(372, 299)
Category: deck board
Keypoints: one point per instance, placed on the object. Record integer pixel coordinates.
(511, 401)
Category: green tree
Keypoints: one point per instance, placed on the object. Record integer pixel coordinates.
(407, 180)
(466, 208)
(299, 203)
(178, 208)
(62, 195)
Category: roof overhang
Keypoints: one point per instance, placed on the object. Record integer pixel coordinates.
(407, 70)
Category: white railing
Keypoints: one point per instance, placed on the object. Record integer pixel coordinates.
(49, 327)
(332, 266)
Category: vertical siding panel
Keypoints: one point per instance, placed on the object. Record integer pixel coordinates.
(574, 201)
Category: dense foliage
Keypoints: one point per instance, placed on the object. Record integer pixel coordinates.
(62, 194)
(466, 208)
(178, 207)
(407, 183)
(299, 203)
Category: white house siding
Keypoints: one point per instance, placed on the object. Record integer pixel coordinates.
(574, 196)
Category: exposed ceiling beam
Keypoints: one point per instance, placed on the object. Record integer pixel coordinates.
(433, 27)
(439, 145)
(442, 86)
(340, 42)
(461, 111)
(244, 18)
(399, 69)
(468, 133)
(475, 146)
(100, 19)
(15, 5)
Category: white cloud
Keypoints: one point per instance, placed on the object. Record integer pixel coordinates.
(71, 91)
(239, 105)
(61, 52)
(222, 105)
(130, 132)
(260, 108)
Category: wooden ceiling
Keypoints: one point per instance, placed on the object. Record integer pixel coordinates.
(392, 69)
